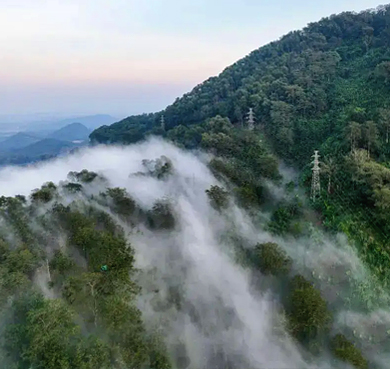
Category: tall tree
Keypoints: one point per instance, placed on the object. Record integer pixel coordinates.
(354, 134)
(329, 167)
(368, 34)
(371, 135)
(384, 120)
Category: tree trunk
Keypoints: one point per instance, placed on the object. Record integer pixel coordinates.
(94, 304)
(48, 269)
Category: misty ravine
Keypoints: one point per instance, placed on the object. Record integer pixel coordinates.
(183, 286)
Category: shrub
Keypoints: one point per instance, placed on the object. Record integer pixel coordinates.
(308, 314)
(347, 351)
(271, 259)
(161, 216)
(218, 197)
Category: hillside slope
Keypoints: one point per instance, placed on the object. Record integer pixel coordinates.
(150, 263)
(18, 141)
(301, 87)
(37, 151)
(326, 87)
(71, 132)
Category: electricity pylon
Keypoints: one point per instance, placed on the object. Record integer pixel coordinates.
(163, 122)
(251, 120)
(315, 181)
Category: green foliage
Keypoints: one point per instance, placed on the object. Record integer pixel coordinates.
(44, 335)
(271, 259)
(21, 260)
(50, 330)
(122, 203)
(45, 194)
(92, 353)
(309, 318)
(161, 216)
(160, 168)
(219, 198)
(95, 323)
(16, 267)
(84, 176)
(347, 351)
(285, 218)
(61, 262)
(73, 187)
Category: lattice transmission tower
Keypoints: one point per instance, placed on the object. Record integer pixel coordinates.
(162, 122)
(315, 181)
(251, 120)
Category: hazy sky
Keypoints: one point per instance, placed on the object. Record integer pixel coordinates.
(132, 56)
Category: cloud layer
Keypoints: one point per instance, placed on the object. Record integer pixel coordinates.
(222, 321)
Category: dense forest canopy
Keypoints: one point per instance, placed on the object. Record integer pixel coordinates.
(305, 88)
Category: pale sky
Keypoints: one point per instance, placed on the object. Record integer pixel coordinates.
(123, 57)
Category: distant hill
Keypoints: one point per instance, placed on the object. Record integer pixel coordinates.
(18, 141)
(38, 151)
(71, 132)
(45, 147)
(89, 121)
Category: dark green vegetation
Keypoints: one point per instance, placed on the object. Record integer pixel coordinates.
(270, 259)
(309, 318)
(89, 319)
(345, 350)
(326, 87)
(218, 197)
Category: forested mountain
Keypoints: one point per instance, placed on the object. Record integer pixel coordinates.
(168, 272)
(200, 249)
(304, 88)
(326, 87)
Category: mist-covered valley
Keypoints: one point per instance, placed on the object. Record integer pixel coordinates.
(139, 257)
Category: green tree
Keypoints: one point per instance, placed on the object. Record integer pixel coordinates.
(50, 330)
(161, 216)
(219, 198)
(371, 135)
(383, 71)
(309, 318)
(347, 351)
(384, 115)
(354, 134)
(329, 167)
(271, 259)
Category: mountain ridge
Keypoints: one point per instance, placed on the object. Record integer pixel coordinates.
(19, 140)
(326, 88)
(71, 132)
